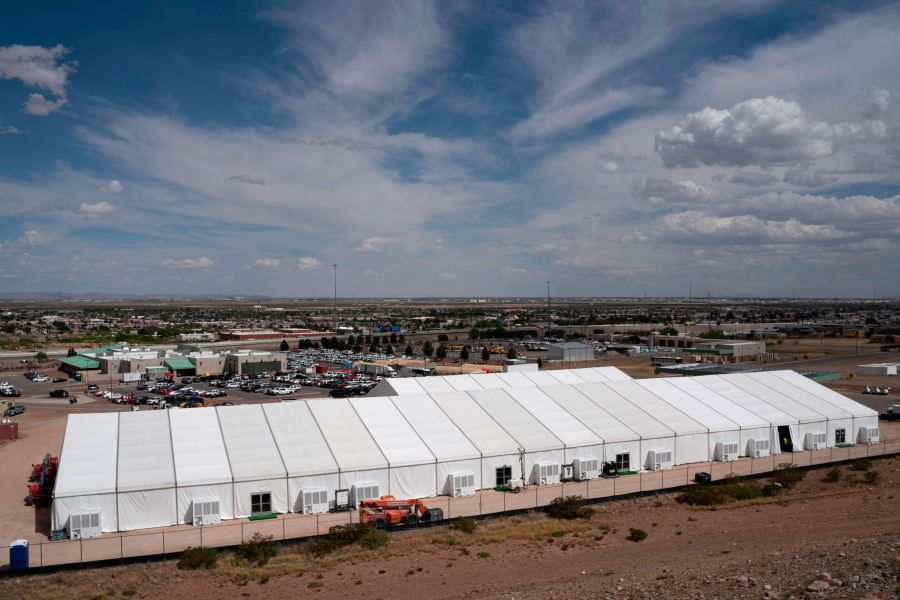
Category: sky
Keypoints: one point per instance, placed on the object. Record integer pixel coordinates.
(735, 147)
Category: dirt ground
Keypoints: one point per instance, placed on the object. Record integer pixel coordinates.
(844, 534)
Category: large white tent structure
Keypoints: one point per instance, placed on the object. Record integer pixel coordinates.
(453, 436)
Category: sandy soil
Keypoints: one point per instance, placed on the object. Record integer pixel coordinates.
(846, 534)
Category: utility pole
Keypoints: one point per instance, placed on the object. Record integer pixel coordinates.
(548, 305)
(334, 308)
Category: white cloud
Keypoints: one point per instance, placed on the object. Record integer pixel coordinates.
(515, 270)
(307, 262)
(201, 262)
(370, 272)
(758, 131)
(267, 263)
(803, 175)
(35, 238)
(879, 105)
(439, 242)
(702, 228)
(113, 187)
(673, 193)
(9, 130)
(95, 210)
(41, 68)
(373, 244)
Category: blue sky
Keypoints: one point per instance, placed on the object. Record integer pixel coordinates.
(451, 149)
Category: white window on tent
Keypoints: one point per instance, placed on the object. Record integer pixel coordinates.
(261, 503)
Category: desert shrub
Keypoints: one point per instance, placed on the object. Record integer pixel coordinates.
(787, 475)
(129, 590)
(833, 475)
(861, 464)
(771, 489)
(200, 557)
(315, 583)
(484, 555)
(871, 476)
(372, 538)
(465, 524)
(569, 507)
(636, 535)
(258, 549)
(728, 490)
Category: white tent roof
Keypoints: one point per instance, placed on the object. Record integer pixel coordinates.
(800, 395)
(682, 401)
(462, 383)
(478, 426)
(399, 442)
(252, 452)
(609, 428)
(540, 377)
(406, 385)
(350, 442)
(826, 394)
(627, 413)
(200, 455)
(565, 376)
(89, 455)
(145, 451)
(302, 446)
(435, 385)
(802, 413)
(613, 373)
(563, 425)
(439, 433)
(515, 379)
(591, 376)
(742, 398)
(732, 411)
(489, 381)
(516, 421)
(640, 396)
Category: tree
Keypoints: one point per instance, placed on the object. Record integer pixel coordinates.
(442, 352)
(71, 352)
(485, 354)
(389, 350)
(40, 356)
(284, 346)
(511, 352)
(372, 348)
(713, 334)
(464, 354)
(540, 362)
(376, 340)
(401, 339)
(393, 338)
(668, 331)
(408, 351)
(443, 337)
(351, 341)
(428, 348)
(473, 334)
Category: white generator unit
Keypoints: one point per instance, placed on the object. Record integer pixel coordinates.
(758, 448)
(84, 525)
(461, 483)
(315, 500)
(368, 490)
(585, 468)
(814, 441)
(657, 460)
(546, 473)
(868, 435)
(206, 511)
(726, 452)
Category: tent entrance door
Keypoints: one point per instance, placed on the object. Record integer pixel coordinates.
(784, 438)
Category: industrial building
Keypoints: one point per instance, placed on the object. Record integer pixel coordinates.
(147, 469)
(878, 369)
(570, 352)
(732, 351)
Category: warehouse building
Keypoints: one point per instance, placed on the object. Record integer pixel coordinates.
(570, 351)
(878, 369)
(154, 468)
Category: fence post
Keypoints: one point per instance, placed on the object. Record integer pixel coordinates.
(121, 550)
(242, 532)
(81, 552)
(41, 550)
(201, 534)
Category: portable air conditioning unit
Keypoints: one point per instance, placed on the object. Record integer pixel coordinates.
(758, 448)
(814, 441)
(461, 483)
(586, 468)
(868, 435)
(368, 490)
(658, 460)
(726, 452)
(84, 525)
(546, 473)
(315, 500)
(206, 511)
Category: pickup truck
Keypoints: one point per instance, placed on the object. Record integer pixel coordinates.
(891, 414)
(14, 410)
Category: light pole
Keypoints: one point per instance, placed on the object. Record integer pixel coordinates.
(334, 308)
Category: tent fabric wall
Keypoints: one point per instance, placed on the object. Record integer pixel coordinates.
(146, 471)
(497, 447)
(691, 438)
(451, 448)
(356, 453)
(752, 427)
(306, 455)
(578, 439)
(254, 458)
(201, 461)
(863, 416)
(412, 465)
(88, 469)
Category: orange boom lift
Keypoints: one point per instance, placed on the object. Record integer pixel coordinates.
(388, 511)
